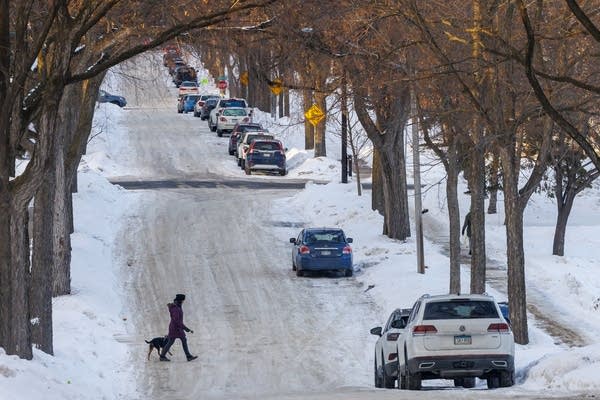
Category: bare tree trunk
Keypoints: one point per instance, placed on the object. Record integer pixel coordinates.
(309, 134)
(493, 189)
(477, 189)
(286, 102)
(453, 217)
(377, 201)
(517, 296)
(395, 192)
(564, 210)
(320, 146)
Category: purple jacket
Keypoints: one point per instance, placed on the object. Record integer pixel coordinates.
(176, 327)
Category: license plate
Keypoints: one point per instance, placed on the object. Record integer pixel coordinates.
(266, 154)
(462, 340)
(326, 253)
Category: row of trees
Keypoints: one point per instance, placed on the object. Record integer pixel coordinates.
(53, 57)
(501, 89)
(506, 94)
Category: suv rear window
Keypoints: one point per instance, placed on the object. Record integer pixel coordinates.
(460, 309)
(266, 145)
(233, 103)
(234, 112)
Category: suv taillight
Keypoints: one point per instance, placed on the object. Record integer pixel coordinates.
(223, 119)
(392, 337)
(246, 119)
(347, 250)
(500, 328)
(422, 330)
(304, 250)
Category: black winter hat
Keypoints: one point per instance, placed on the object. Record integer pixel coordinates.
(179, 297)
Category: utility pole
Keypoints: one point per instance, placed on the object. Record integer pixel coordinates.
(344, 108)
(417, 182)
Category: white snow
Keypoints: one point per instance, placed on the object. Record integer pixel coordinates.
(90, 361)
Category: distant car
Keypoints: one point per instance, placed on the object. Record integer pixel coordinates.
(201, 101)
(322, 249)
(183, 74)
(188, 87)
(222, 104)
(105, 97)
(386, 356)
(229, 117)
(239, 130)
(265, 155)
(504, 310)
(244, 143)
(188, 102)
(208, 106)
(460, 337)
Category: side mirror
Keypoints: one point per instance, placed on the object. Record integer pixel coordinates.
(349, 240)
(293, 240)
(376, 331)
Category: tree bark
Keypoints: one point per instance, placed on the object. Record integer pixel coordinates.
(477, 189)
(493, 187)
(377, 202)
(320, 145)
(517, 296)
(453, 171)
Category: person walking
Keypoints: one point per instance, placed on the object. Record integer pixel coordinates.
(467, 227)
(177, 329)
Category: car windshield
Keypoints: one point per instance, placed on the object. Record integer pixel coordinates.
(234, 103)
(266, 146)
(247, 128)
(210, 102)
(192, 98)
(235, 112)
(460, 309)
(330, 236)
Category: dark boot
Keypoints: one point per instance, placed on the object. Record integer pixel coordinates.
(191, 358)
(163, 358)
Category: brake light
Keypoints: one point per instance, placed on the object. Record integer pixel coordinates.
(246, 119)
(347, 250)
(422, 330)
(500, 328)
(223, 119)
(200, 103)
(392, 356)
(392, 337)
(304, 250)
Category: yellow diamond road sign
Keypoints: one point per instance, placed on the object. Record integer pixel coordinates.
(244, 78)
(276, 86)
(314, 115)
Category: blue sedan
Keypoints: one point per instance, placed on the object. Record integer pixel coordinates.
(189, 102)
(322, 249)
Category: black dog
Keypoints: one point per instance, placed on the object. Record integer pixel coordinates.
(157, 343)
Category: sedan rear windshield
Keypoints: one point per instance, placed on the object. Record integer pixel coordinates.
(252, 138)
(325, 236)
(234, 112)
(192, 98)
(460, 309)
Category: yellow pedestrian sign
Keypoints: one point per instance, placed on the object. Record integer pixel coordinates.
(314, 115)
(276, 86)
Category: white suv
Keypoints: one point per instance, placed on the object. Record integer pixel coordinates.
(221, 105)
(460, 337)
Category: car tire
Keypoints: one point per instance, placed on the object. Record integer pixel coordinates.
(239, 161)
(242, 163)
(413, 381)
(213, 128)
(458, 382)
(468, 382)
(219, 133)
(493, 382)
(230, 152)
(401, 379)
(376, 375)
(293, 265)
(348, 273)
(248, 170)
(388, 381)
(196, 114)
(283, 172)
(507, 378)
(299, 272)
(180, 111)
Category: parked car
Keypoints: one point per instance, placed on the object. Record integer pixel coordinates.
(183, 74)
(322, 249)
(460, 337)
(188, 87)
(208, 106)
(229, 117)
(222, 104)
(238, 130)
(201, 101)
(265, 155)
(188, 102)
(105, 97)
(174, 64)
(386, 356)
(244, 143)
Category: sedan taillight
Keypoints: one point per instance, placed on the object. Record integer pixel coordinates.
(422, 330)
(304, 250)
(347, 250)
(500, 328)
(246, 119)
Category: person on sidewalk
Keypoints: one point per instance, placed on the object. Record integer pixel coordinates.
(177, 329)
(467, 227)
